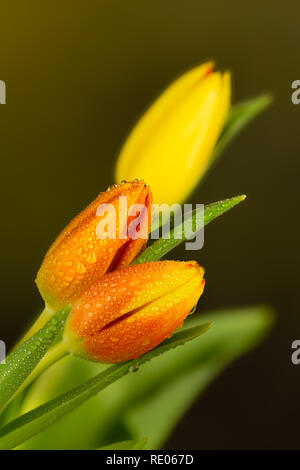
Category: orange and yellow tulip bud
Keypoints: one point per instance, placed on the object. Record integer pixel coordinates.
(130, 311)
(177, 135)
(78, 257)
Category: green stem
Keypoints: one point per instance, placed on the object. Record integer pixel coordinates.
(54, 354)
(41, 321)
(21, 363)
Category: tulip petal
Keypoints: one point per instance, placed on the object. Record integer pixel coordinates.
(146, 327)
(155, 115)
(177, 135)
(78, 256)
(123, 291)
(131, 310)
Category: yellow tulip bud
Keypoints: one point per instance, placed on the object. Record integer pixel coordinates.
(176, 136)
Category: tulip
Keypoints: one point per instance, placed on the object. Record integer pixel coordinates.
(78, 257)
(130, 311)
(177, 135)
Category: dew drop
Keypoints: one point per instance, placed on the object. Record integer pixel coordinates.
(80, 269)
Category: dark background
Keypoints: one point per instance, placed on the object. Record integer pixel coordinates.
(78, 75)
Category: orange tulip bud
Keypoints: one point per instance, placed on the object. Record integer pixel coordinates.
(79, 256)
(130, 311)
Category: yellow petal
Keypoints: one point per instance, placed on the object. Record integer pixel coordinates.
(172, 144)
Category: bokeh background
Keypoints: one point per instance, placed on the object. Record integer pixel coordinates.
(78, 76)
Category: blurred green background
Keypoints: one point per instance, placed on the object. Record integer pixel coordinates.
(78, 76)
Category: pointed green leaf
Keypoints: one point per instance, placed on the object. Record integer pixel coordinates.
(26, 426)
(239, 116)
(179, 378)
(178, 235)
(152, 401)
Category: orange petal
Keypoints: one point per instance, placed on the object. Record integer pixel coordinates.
(128, 289)
(78, 257)
(142, 331)
(133, 309)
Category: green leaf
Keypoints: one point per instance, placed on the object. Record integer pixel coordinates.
(239, 116)
(26, 426)
(152, 401)
(20, 363)
(127, 445)
(178, 235)
(178, 379)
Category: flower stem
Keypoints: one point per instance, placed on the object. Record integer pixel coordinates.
(54, 354)
(41, 321)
